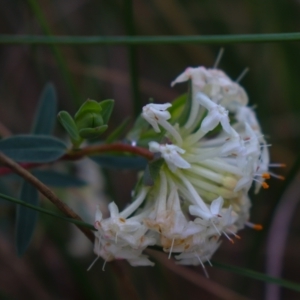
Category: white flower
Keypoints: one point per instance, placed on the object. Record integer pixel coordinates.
(171, 154)
(156, 114)
(214, 210)
(216, 114)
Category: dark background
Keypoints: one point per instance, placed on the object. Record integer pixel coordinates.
(53, 268)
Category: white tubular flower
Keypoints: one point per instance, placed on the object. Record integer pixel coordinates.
(156, 114)
(198, 255)
(171, 154)
(214, 210)
(216, 114)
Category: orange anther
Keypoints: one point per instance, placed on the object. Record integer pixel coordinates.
(265, 175)
(264, 185)
(257, 227)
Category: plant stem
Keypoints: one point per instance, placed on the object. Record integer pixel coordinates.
(46, 192)
(147, 40)
(115, 147)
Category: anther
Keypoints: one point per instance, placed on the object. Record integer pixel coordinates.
(264, 185)
(254, 226)
(265, 175)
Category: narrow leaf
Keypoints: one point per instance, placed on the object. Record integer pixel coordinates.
(45, 117)
(120, 162)
(32, 148)
(259, 276)
(69, 125)
(46, 211)
(58, 179)
(26, 218)
(107, 108)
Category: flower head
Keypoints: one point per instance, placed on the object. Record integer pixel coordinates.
(200, 193)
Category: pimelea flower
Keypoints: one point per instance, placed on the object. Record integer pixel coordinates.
(210, 161)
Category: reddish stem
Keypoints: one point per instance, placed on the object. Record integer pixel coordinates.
(90, 150)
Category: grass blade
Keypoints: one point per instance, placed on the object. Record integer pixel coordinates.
(46, 211)
(151, 40)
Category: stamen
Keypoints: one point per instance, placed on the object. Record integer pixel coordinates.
(262, 183)
(242, 75)
(209, 262)
(170, 253)
(91, 265)
(203, 267)
(277, 176)
(235, 235)
(230, 239)
(103, 267)
(265, 145)
(265, 175)
(219, 57)
(277, 165)
(216, 228)
(254, 226)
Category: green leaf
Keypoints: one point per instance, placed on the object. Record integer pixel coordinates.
(92, 133)
(117, 133)
(120, 162)
(58, 179)
(87, 107)
(107, 108)
(33, 148)
(46, 113)
(26, 218)
(259, 276)
(69, 125)
(152, 171)
(46, 211)
(89, 115)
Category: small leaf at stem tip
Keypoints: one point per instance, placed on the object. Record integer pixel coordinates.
(92, 133)
(26, 218)
(69, 125)
(89, 106)
(46, 113)
(107, 108)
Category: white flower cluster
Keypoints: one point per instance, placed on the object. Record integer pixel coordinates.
(201, 191)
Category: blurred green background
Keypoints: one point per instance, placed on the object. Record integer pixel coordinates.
(55, 265)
